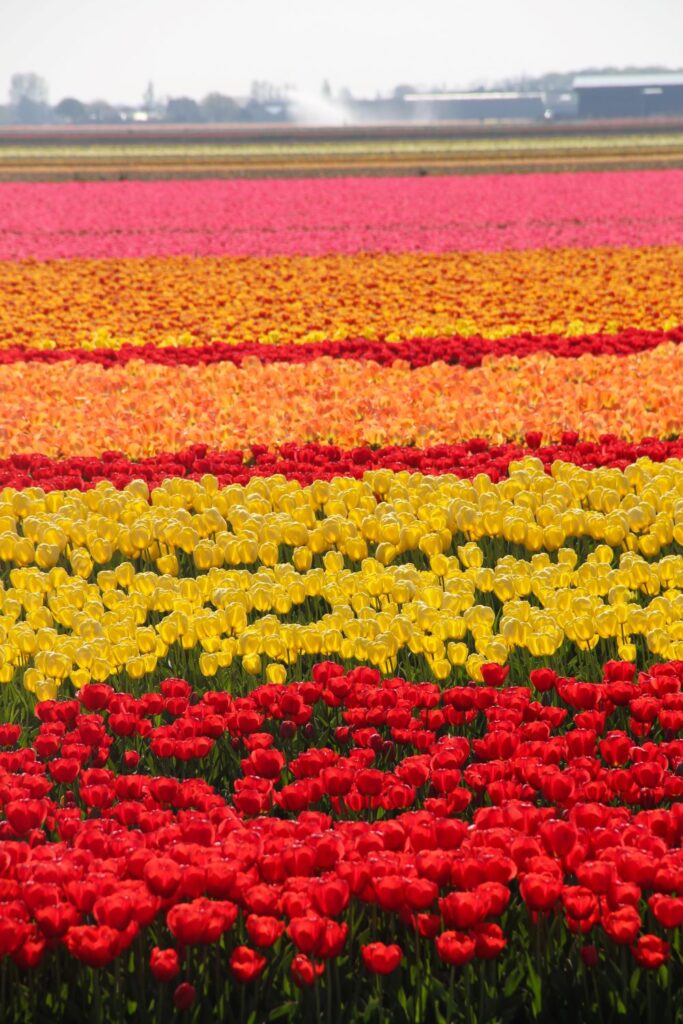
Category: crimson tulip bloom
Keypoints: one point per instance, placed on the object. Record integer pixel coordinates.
(333, 940)
(579, 902)
(380, 958)
(303, 971)
(164, 964)
(493, 674)
(94, 945)
(162, 875)
(622, 925)
(24, 815)
(650, 951)
(30, 953)
(184, 996)
(306, 932)
(489, 940)
(540, 892)
(462, 910)
(668, 910)
(544, 679)
(201, 921)
(54, 921)
(455, 948)
(331, 896)
(96, 696)
(589, 955)
(246, 964)
(264, 930)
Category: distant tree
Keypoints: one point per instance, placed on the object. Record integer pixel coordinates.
(148, 98)
(27, 111)
(183, 110)
(219, 108)
(326, 89)
(28, 86)
(270, 112)
(102, 112)
(71, 110)
(265, 92)
(402, 91)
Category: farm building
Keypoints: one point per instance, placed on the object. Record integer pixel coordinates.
(645, 95)
(475, 106)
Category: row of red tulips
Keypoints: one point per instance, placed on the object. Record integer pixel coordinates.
(276, 853)
(416, 352)
(309, 462)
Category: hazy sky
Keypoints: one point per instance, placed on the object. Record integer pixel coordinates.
(112, 48)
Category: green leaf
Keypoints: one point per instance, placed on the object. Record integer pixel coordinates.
(535, 987)
(285, 1010)
(404, 1002)
(513, 981)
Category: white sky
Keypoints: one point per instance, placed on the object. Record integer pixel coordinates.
(111, 48)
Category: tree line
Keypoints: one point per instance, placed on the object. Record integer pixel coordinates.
(28, 104)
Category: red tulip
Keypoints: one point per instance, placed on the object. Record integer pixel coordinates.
(622, 925)
(164, 964)
(589, 955)
(462, 910)
(331, 896)
(304, 972)
(263, 931)
(306, 933)
(650, 951)
(246, 964)
(668, 910)
(94, 945)
(455, 948)
(493, 674)
(489, 940)
(201, 920)
(162, 876)
(380, 958)
(184, 996)
(540, 892)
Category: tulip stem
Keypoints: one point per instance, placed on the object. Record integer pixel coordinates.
(418, 994)
(97, 997)
(380, 998)
(316, 986)
(139, 962)
(624, 975)
(220, 987)
(328, 986)
(598, 998)
(469, 1010)
(451, 982)
(3, 990)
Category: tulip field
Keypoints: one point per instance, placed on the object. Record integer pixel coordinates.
(341, 599)
(153, 150)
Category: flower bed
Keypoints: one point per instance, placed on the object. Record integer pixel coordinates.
(518, 837)
(341, 600)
